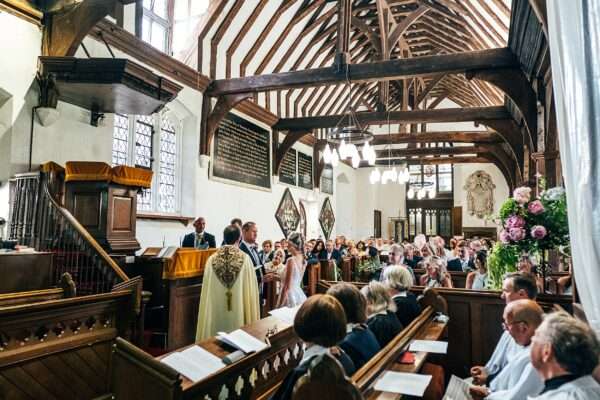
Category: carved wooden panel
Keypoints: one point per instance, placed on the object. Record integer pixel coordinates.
(77, 374)
(183, 313)
(122, 209)
(86, 209)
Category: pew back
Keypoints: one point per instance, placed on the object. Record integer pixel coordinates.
(60, 349)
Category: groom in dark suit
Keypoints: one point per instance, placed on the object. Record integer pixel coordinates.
(249, 246)
(199, 239)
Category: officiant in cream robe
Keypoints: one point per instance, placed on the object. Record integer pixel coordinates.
(229, 297)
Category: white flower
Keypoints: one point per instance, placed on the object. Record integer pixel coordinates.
(553, 194)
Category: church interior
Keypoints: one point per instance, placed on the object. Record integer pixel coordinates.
(299, 199)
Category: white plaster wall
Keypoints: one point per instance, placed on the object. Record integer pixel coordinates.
(461, 173)
(389, 199)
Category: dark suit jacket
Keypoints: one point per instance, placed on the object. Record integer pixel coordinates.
(256, 262)
(360, 345)
(287, 386)
(335, 255)
(407, 308)
(385, 327)
(455, 265)
(188, 240)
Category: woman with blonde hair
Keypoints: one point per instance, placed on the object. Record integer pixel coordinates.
(381, 313)
(398, 282)
(351, 248)
(435, 275)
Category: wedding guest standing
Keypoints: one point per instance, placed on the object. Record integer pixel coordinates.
(265, 253)
(199, 239)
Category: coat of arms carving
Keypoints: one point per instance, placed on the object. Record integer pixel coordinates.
(287, 214)
(327, 218)
(480, 194)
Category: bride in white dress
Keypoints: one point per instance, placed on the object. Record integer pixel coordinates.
(291, 293)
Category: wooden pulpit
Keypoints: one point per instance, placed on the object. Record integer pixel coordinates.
(104, 201)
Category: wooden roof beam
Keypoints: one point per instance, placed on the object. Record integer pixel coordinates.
(376, 71)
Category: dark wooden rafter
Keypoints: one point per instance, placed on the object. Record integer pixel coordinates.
(222, 107)
(414, 116)
(438, 137)
(241, 35)
(220, 32)
(382, 70)
(65, 28)
(283, 147)
(516, 86)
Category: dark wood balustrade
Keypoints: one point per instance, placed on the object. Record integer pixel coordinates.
(37, 219)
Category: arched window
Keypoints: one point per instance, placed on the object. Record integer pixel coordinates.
(152, 142)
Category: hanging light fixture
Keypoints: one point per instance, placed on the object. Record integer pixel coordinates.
(335, 159)
(348, 133)
(375, 176)
(411, 193)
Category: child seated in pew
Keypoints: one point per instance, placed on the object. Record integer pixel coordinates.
(381, 310)
(321, 324)
(360, 343)
(398, 281)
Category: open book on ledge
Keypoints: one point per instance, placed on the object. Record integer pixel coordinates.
(194, 363)
(243, 341)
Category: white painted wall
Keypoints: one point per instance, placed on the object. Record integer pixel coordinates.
(501, 193)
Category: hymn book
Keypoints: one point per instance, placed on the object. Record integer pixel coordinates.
(242, 340)
(195, 363)
(403, 383)
(285, 314)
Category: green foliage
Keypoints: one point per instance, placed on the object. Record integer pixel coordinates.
(509, 208)
(502, 260)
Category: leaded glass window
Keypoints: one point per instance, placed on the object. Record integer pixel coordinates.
(120, 149)
(168, 164)
(135, 143)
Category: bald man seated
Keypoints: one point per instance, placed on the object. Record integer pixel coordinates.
(565, 352)
(516, 286)
(518, 379)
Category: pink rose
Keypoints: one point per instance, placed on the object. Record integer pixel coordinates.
(504, 236)
(536, 207)
(522, 195)
(538, 232)
(514, 221)
(516, 234)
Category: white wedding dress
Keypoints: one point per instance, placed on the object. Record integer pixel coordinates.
(295, 295)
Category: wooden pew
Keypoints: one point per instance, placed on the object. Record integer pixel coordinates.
(60, 349)
(266, 370)
(475, 324)
(328, 270)
(34, 296)
(347, 269)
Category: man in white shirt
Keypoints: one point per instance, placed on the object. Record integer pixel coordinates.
(564, 352)
(518, 379)
(515, 287)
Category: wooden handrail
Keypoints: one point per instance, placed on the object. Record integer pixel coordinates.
(369, 372)
(86, 235)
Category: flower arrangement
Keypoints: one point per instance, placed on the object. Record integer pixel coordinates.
(530, 225)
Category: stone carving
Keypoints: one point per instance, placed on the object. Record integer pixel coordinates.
(480, 194)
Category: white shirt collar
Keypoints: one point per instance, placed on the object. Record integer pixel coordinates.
(401, 294)
(314, 350)
(350, 327)
(249, 245)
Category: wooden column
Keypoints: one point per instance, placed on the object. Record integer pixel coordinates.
(342, 56)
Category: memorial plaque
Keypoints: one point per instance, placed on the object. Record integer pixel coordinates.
(287, 171)
(327, 180)
(305, 171)
(241, 153)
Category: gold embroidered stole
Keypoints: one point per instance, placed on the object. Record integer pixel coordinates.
(227, 264)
